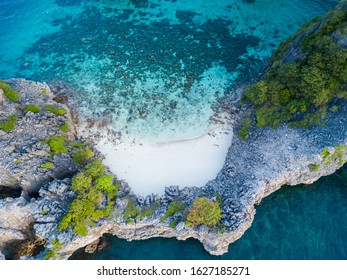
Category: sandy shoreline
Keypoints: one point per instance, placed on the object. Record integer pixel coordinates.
(150, 167)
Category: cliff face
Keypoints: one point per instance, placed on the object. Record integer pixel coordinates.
(22, 152)
(253, 169)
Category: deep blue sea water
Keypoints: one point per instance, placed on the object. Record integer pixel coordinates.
(300, 222)
(158, 69)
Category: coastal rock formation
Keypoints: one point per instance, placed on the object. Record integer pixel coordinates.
(22, 152)
(253, 169)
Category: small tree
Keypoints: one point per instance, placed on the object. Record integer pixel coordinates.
(204, 212)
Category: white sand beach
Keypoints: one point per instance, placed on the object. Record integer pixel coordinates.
(149, 167)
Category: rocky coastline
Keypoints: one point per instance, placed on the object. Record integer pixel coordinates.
(36, 180)
(253, 169)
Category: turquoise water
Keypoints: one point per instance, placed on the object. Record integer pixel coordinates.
(301, 222)
(157, 68)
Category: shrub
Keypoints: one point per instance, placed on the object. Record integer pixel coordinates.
(43, 212)
(149, 211)
(173, 224)
(55, 110)
(47, 165)
(57, 144)
(65, 127)
(204, 212)
(89, 205)
(56, 247)
(94, 169)
(32, 108)
(81, 155)
(9, 124)
(10, 93)
(246, 124)
(81, 183)
(131, 210)
(314, 167)
(105, 183)
(174, 208)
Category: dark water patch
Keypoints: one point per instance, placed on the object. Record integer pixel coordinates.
(66, 3)
(300, 222)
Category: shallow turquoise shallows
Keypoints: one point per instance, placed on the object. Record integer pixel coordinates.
(301, 222)
(157, 68)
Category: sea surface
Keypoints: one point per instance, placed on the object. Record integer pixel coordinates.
(159, 70)
(295, 223)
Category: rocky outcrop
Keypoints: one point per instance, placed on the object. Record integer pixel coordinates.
(22, 151)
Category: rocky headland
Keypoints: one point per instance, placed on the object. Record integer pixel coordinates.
(37, 167)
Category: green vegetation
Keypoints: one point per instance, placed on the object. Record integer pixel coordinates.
(43, 212)
(148, 211)
(10, 93)
(18, 161)
(105, 184)
(94, 169)
(32, 108)
(78, 144)
(55, 110)
(174, 208)
(131, 211)
(9, 124)
(204, 212)
(301, 93)
(173, 224)
(44, 91)
(95, 198)
(56, 247)
(47, 165)
(81, 155)
(335, 154)
(57, 144)
(65, 127)
(246, 124)
(314, 167)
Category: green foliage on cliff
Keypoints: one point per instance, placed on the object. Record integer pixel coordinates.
(300, 93)
(32, 108)
(94, 169)
(314, 167)
(95, 198)
(65, 127)
(55, 110)
(174, 208)
(9, 124)
(47, 165)
(204, 212)
(57, 144)
(56, 247)
(81, 155)
(335, 154)
(10, 93)
(131, 211)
